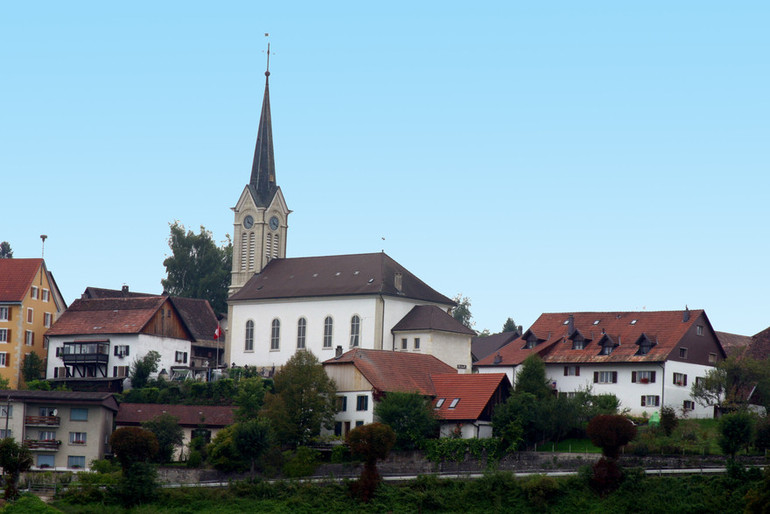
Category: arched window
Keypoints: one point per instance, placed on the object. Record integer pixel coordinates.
(275, 335)
(301, 329)
(249, 346)
(355, 330)
(328, 328)
(252, 249)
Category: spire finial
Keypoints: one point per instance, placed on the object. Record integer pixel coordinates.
(267, 70)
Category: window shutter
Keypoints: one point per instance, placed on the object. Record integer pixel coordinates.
(596, 377)
(7, 359)
(685, 380)
(652, 377)
(9, 330)
(657, 401)
(577, 371)
(115, 351)
(565, 370)
(614, 377)
(58, 351)
(633, 377)
(643, 401)
(33, 343)
(115, 370)
(56, 373)
(185, 357)
(126, 347)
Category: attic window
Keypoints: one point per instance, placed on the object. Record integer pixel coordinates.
(371, 280)
(566, 322)
(454, 403)
(440, 402)
(596, 322)
(355, 272)
(633, 322)
(315, 274)
(337, 274)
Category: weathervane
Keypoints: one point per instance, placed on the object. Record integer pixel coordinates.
(267, 72)
(43, 237)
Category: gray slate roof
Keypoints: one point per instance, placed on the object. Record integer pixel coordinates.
(336, 275)
(430, 317)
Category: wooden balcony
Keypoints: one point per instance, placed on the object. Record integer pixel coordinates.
(42, 445)
(42, 421)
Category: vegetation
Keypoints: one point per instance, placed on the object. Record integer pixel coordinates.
(611, 433)
(252, 438)
(510, 326)
(304, 400)
(15, 459)
(731, 382)
(197, 267)
(32, 368)
(169, 434)
(133, 444)
(735, 432)
(410, 415)
(143, 367)
(462, 311)
(5, 250)
(250, 398)
(372, 442)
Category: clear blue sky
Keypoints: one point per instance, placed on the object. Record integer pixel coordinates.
(534, 156)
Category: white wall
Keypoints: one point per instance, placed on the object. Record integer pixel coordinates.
(140, 345)
(451, 348)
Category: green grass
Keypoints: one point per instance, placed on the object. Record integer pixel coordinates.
(570, 445)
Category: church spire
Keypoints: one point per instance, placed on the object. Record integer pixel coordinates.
(262, 183)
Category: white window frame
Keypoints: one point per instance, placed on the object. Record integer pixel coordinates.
(34, 292)
(3, 335)
(3, 359)
(29, 337)
(78, 438)
(4, 311)
(248, 343)
(275, 334)
(355, 330)
(606, 377)
(328, 332)
(46, 295)
(72, 464)
(680, 379)
(48, 319)
(301, 333)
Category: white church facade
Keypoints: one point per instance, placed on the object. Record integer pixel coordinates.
(324, 304)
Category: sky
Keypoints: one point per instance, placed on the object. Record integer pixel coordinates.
(532, 156)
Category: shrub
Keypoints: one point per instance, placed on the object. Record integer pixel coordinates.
(301, 463)
(340, 453)
(762, 437)
(607, 476)
(195, 460)
(371, 442)
(668, 421)
(610, 433)
(735, 432)
(540, 489)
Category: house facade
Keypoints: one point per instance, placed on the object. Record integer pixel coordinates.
(63, 430)
(30, 303)
(95, 341)
(465, 404)
(646, 359)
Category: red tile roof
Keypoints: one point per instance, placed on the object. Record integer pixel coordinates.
(733, 343)
(481, 346)
(107, 316)
(16, 277)
(665, 328)
(336, 275)
(188, 415)
(394, 371)
(106, 400)
(474, 391)
(430, 317)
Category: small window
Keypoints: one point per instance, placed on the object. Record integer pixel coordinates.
(77, 438)
(404, 342)
(45, 295)
(30, 315)
(359, 423)
(596, 322)
(29, 338)
(328, 328)
(571, 371)
(6, 411)
(338, 428)
(3, 335)
(342, 403)
(607, 349)
(682, 353)
(3, 313)
(44, 461)
(688, 405)
(3, 359)
(440, 402)
(275, 334)
(680, 379)
(605, 377)
(301, 330)
(362, 403)
(47, 435)
(643, 377)
(180, 357)
(76, 462)
(650, 400)
(77, 414)
(454, 403)
(633, 321)
(416, 343)
(33, 292)
(249, 342)
(712, 358)
(48, 317)
(566, 322)
(355, 330)
(578, 343)
(699, 330)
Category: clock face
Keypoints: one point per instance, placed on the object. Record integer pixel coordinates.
(248, 222)
(273, 223)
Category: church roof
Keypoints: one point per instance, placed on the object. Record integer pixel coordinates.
(262, 185)
(16, 276)
(337, 275)
(430, 317)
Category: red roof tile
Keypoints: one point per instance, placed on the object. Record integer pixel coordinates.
(16, 277)
(474, 393)
(107, 316)
(665, 328)
(733, 343)
(394, 371)
(188, 415)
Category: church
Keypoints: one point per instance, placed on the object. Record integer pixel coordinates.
(326, 304)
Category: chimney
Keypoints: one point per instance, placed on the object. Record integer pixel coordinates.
(686, 315)
(398, 281)
(124, 290)
(570, 325)
(521, 329)
(338, 352)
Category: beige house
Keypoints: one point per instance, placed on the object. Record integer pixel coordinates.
(64, 430)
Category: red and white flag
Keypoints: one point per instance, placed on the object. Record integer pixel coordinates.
(217, 332)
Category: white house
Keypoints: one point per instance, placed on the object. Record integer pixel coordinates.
(646, 359)
(97, 340)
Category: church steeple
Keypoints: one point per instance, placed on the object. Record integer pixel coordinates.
(262, 184)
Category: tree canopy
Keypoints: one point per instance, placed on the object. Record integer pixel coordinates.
(731, 383)
(462, 311)
(33, 367)
(5, 250)
(198, 268)
(15, 459)
(142, 368)
(304, 400)
(169, 434)
(510, 325)
(410, 415)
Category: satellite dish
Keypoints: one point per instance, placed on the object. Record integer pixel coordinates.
(56, 412)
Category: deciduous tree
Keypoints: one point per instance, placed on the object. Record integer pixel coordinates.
(33, 368)
(133, 444)
(462, 311)
(611, 433)
(197, 267)
(304, 400)
(5, 250)
(15, 459)
(169, 434)
(249, 399)
(252, 438)
(735, 432)
(410, 415)
(372, 442)
(142, 368)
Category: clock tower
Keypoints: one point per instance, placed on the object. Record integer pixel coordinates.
(261, 214)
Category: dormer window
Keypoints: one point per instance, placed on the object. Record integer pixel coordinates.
(531, 342)
(606, 349)
(578, 343)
